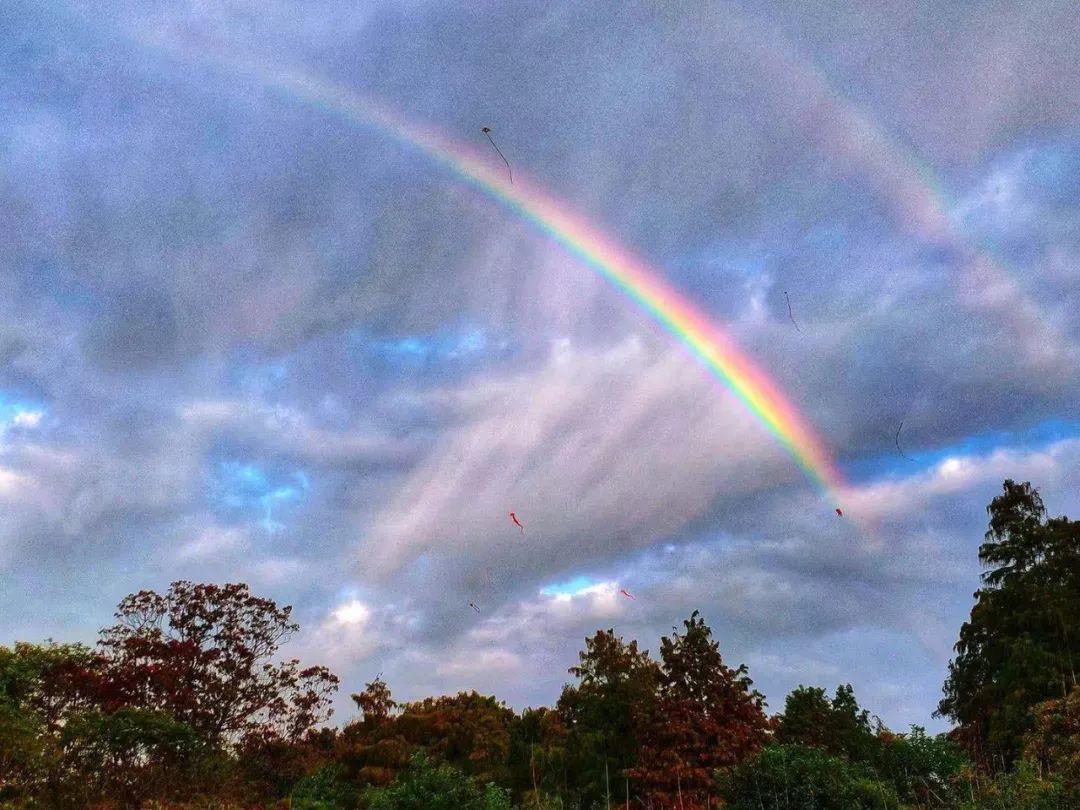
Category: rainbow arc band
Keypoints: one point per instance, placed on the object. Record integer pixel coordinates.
(644, 285)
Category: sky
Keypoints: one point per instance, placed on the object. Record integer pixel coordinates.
(249, 336)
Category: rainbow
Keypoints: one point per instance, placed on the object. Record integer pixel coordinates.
(644, 285)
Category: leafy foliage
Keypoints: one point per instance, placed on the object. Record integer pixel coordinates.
(467, 730)
(924, 770)
(839, 726)
(1053, 744)
(1021, 645)
(326, 789)
(1022, 788)
(130, 754)
(617, 684)
(427, 786)
(799, 777)
(375, 703)
(200, 653)
(705, 717)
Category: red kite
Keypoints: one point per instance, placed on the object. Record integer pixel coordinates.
(487, 131)
(625, 592)
(517, 522)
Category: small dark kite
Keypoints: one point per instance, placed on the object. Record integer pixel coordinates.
(487, 131)
(896, 441)
(790, 315)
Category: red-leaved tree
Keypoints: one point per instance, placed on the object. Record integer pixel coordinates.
(202, 654)
(705, 717)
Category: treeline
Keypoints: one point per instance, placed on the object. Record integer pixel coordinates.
(183, 704)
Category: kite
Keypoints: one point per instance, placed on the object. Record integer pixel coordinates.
(896, 441)
(487, 131)
(625, 592)
(839, 513)
(790, 315)
(517, 522)
(474, 607)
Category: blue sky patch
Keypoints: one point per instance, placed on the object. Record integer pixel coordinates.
(444, 352)
(248, 489)
(892, 464)
(17, 413)
(568, 588)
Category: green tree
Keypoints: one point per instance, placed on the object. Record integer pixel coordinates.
(1019, 646)
(325, 789)
(527, 764)
(129, 755)
(924, 770)
(41, 686)
(427, 786)
(797, 777)
(838, 726)
(1024, 788)
(616, 685)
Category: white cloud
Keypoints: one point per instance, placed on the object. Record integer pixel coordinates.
(352, 612)
(28, 419)
(346, 635)
(213, 541)
(892, 499)
(599, 449)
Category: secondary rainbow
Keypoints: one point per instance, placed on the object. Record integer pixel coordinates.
(644, 285)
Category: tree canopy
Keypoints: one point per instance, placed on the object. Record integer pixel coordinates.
(1020, 645)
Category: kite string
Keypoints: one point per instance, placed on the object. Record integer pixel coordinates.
(497, 149)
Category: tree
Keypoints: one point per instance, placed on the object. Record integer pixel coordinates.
(1019, 646)
(325, 789)
(372, 750)
(617, 683)
(427, 786)
(468, 730)
(201, 654)
(797, 777)
(41, 687)
(1053, 744)
(924, 770)
(838, 726)
(806, 718)
(526, 760)
(129, 755)
(375, 703)
(706, 718)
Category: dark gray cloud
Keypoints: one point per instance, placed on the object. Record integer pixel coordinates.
(251, 340)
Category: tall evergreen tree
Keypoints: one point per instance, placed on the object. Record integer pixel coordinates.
(1020, 645)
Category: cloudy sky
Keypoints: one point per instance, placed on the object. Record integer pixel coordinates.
(248, 338)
